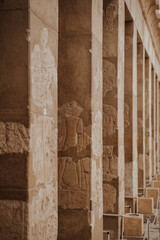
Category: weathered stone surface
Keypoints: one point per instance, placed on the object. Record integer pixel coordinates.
(47, 11)
(145, 205)
(110, 164)
(109, 198)
(43, 213)
(97, 136)
(74, 183)
(111, 12)
(128, 178)
(152, 193)
(13, 220)
(43, 72)
(43, 146)
(14, 138)
(126, 115)
(133, 225)
(109, 75)
(73, 224)
(109, 120)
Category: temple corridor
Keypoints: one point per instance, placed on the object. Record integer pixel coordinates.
(79, 119)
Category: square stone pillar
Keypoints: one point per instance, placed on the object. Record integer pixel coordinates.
(148, 165)
(157, 126)
(113, 114)
(28, 119)
(150, 120)
(130, 98)
(153, 121)
(80, 120)
(141, 113)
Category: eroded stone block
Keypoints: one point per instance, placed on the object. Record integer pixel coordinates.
(109, 120)
(14, 138)
(133, 225)
(43, 213)
(109, 198)
(152, 193)
(145, 205)
(13, 220)
(158, 177)
(156, 184)
(110, 163)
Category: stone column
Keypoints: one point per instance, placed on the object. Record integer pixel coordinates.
(113, 115)
(153, 121)
(150, 119)
(130, 98)
(80, 120)
(28, 120)
(140, 114)
(148, 165)
(158, 123)
(155, 114)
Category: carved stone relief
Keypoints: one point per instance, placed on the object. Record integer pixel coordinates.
(109, 198)
(109, 120)
(14, 138)
(74, 181)
(43, 72)
(111, 12)
(128, 178)
(13, 220)
(110, 163)
(71, 128)
(109, 76)
(126, 116)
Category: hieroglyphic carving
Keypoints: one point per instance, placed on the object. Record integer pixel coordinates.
(110, 163)
(110, 12)
(109, 120)
(43, 146)
(109, 198)
(109, 76)
(73, 179)
(43, 213)
(13, 220)
(43, 72)
(71, 128)
(14, 138)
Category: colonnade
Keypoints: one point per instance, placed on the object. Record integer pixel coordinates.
(79, 117)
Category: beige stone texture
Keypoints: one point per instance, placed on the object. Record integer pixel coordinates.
(133, 225)
(156, 184)
(152, 193)
(158, 177)
(80, 118)
(13, 220)
(145, 205)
